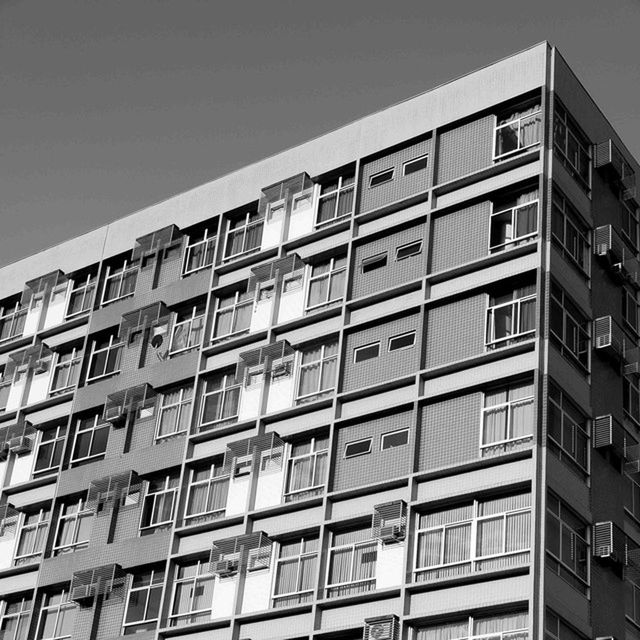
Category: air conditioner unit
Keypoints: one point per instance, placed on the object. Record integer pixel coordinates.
(19, 445)
(281, 369)
(381, 631)
(226, 568)
(116, 416)
(41, 367)
(242, 466)
(391, 533)
(83, 593)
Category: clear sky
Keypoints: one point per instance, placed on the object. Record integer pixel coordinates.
(107, 106)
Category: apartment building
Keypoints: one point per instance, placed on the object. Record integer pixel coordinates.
(383, 385)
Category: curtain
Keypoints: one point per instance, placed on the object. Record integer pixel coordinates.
(429, 544)
(448, 631)
(527, 315)
(457, 540)
(253, 237)
(345, 202)
(218, 490)
(309, 379)
(287, 576)
(336, 287)
(327, 208)
(501, 623)
(329, 368)
(242, 319)
(318, 291)
(526, 220)
(340, 566)
(301, 473)
(495, 425)
(522, 419)
(518, 531)
(197, 499)
(489, 537)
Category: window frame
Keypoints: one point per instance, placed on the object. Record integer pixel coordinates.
(516, 240)
(424, 157)
(98, 424)
(519, 333)
(562, 120)
(120, 274)
(315, 454)
(217, 475)
(202, 574)
(209, 244)
(413, 332)
(148, 588)
(111, 346)
(329, 275)
(370, 543)
(248, 224)
(16, 317)
(57, 446)
(298, 558)
(582, 329)
(81, 513)
(358, 350)
(407, 245)
(197, 314)
(73, 365)
(361, 453)
(181, 405)
(572, 221)
(22, 615)
(233, 307)
(379, 174)
(517, 109)
(65, 604)
(86, 289)
(322, 363)
(225, 388)
(392, 433)
(155, 498)
(370, 263)
(339, 193)
(42, 523)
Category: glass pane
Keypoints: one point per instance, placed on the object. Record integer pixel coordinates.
(136, 606)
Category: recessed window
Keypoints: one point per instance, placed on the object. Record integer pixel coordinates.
(415, 165)
(403, 341)
(381, 177)
(394, 439)
(374, 262)
(357, 448)
(369, 351)
(408, 250)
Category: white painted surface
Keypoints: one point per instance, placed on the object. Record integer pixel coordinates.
(224, 594)
(237, 497)
(40, 382)
(257, 590)
(22, 467)
(281, 392)
(7, 547)
(389, 565)
(57, 306)
(273, 230)
(17, 389)
(301, 219)
(261, 315)
(33, 317)
(292, 301)
(269, 488)
(250, 399)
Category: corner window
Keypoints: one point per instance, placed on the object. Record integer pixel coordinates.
(511, 317)
(567, 429)
(357, 448)
(408, 250)
(374, 262)
(394, 439)
(381, 177)
(403, 341)
(415, 165)
(569, 327)
(360, 354)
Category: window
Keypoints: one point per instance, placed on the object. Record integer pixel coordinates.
(318, 369)
(174, 412)
(629, 221)
(12, 321)
(74, 527)
(632, 599)
(567, 428)
(352, 562)
(415, 165)
(50, 450)
(105, 357)
(403, 341)
(357, 448)
(394, 439)
(91, 438)
(555, 628)
(504, 626)
(200, 252)
(83, 290)
(631, 398)
(143, 601)
(208, 490)
(119, 282)
(569, 327)
(381, 177)
(631, 487)
(336, 198)
(572, 146)
(220, 400)
(233, 314)
(244, 235)
(187, 329)
(567, 546)
(57, 616)
(517, 131)
(159, 503)
(307, 468)
(368, 352)
(32, 538)
(514, 221)
(66, 371)
(630, 309)
(14, 618)
(511, 317)
(327, 281)
(569, 232)
(192, 593)
(507, 418)
(408, 250)
(483, 535)
(374, 262)
(296, 571)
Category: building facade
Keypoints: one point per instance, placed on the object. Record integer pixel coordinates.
(385, 384)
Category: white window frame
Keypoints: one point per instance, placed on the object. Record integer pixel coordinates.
(406, 245)
(373, 544)
(224, 389)
(517, 120)
(362, 453)
(509, 634)
(390, 170)
(303, 554)
(60, 436)
(393, 433)
(21, 616)
(188, 324)
(424, 156)
(322, 360)
(113, 345)
(214, 478)
(561, 206)
(148, 588)
(517, 331)
(86, 289)
(496, 248)
(338, 192)
(190, 247)
(118, 274)
(181, 404)
(154, 499)
(202, 574)
(381, 257)
(313, 454)
(327, 275)
(244, 228)
(44, 518)
(98, 423)
(402, 335)
(357, 350)
(562, 115)
(17, 317)
(472, 559)
(76, 516)
(72, 364)
(237, 303)
(64, 603)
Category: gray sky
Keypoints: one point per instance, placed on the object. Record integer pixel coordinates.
(108, 106)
